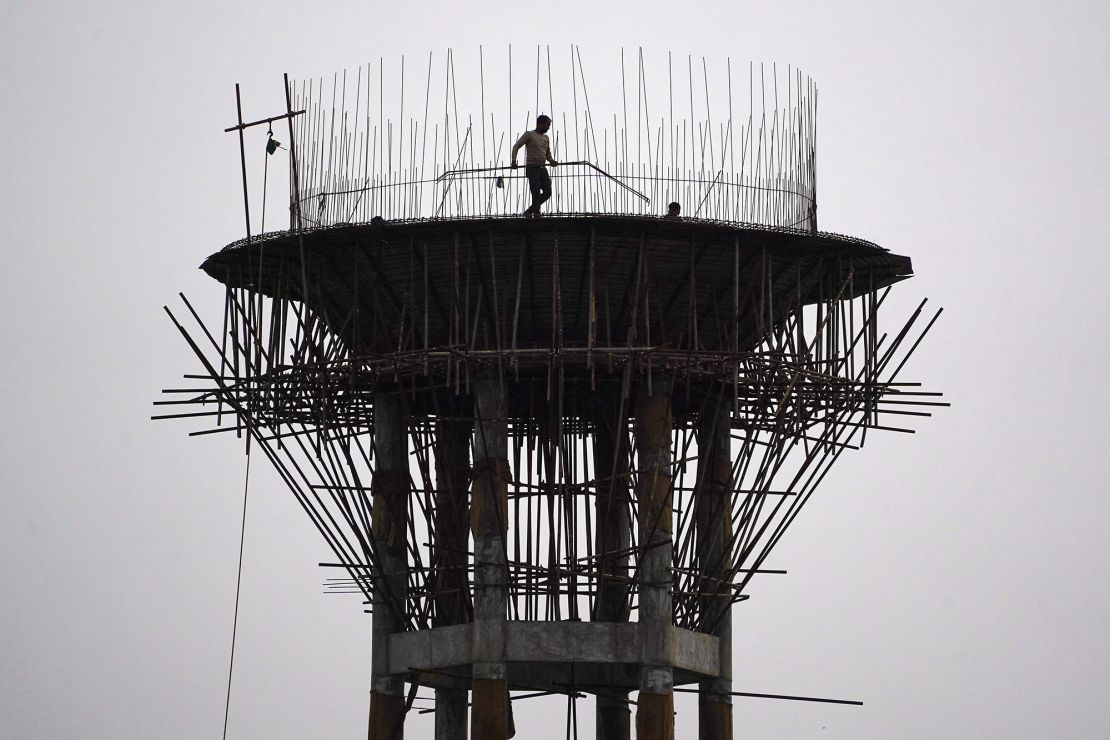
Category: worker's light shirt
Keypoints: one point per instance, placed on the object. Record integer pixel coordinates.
(537, 147)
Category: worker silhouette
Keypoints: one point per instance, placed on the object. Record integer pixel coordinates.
(537, 153)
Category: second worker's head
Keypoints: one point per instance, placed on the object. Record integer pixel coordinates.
(543, 124)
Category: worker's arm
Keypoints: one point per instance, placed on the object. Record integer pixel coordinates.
(549, 157)
(516, 147)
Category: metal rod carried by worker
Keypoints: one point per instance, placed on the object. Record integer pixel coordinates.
(562, 166)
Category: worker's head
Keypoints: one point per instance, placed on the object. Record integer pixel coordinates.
(543, 124)
(673, 209)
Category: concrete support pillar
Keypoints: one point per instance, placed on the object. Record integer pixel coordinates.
(390, 489)
(491, 713)
(452, 602)
(612, 539)
(451, 719)
(655, 494)
(714, 528)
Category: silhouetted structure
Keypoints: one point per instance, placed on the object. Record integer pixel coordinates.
(552, 454)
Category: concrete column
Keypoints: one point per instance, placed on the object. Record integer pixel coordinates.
(450, 580)
(655, 494)
(451, 719)
(714, 526)
(390, 488)
(491, 713)
(613, 718)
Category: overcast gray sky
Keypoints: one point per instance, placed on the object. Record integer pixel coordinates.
(954, 580)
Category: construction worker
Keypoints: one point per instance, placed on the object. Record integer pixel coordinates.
(537, 153)
(673, 209)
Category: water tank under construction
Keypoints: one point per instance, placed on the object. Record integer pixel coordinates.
(551, 450)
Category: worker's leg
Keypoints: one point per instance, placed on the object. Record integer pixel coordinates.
(535, 185)
(545, 188)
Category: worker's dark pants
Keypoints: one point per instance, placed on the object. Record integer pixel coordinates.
(539, 182)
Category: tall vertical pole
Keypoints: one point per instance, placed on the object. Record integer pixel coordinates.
(613, 538)
(491, 714)
(714, 527)
(295, 198)
(390, 488)
(450, 579)
(243, 163)
(655, 494)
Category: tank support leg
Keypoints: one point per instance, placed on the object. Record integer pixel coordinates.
(655, 494)
(714, 529)
(491, 711)
(390, 488)
(451, 534)
(613, 537)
